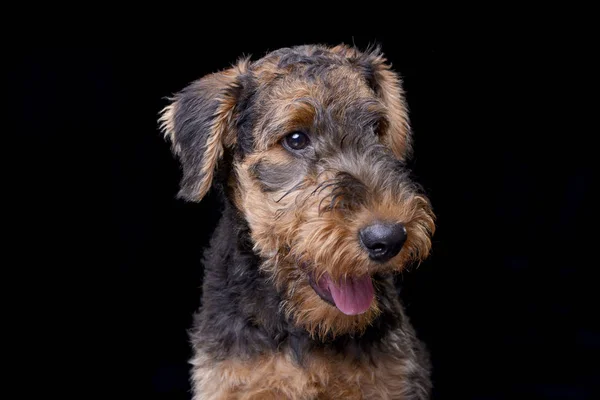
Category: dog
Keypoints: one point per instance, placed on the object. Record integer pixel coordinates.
(306, 149)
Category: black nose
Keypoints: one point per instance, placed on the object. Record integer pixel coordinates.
(383, 240)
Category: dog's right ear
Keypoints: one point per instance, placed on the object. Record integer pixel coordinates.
(387, 84)
(200, 123)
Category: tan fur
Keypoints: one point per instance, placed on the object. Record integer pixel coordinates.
(397, 132)
(324, 376)
(167, 123)
(290, 231)
(293, 114)
(290, 107)
(397, 136)
(322, 320)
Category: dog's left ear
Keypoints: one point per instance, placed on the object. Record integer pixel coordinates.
(387, 85)
(200, 122)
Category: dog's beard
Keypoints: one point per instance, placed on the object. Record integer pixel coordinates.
(313, 256)
(352, 296)
(326, 279)
(324, 314)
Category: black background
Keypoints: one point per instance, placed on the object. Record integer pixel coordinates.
(506, 301)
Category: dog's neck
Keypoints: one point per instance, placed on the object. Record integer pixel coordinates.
(241, 313)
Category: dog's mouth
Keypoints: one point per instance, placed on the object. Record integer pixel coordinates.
(352, 295)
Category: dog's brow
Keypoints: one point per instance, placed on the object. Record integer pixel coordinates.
(300, 114)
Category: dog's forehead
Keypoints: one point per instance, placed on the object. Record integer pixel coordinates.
(291, 93)
(323, 78)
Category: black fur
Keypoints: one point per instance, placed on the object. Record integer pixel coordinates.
(228, 321)
(193, 117)
(319, 60)
(275, 177)
(245, 112)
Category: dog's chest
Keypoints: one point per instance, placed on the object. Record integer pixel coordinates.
(278, 377)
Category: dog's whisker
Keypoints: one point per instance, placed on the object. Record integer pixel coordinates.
(294, 188)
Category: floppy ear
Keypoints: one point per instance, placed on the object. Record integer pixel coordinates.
(386, 83)
(200, 123)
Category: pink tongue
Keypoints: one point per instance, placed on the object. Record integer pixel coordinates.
(352, 296)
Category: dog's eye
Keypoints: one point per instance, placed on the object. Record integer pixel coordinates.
(296, 140)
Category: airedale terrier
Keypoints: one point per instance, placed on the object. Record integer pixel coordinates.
(306, 148)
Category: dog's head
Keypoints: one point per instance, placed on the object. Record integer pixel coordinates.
(316, 140)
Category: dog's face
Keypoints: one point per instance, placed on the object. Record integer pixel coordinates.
(317, 139)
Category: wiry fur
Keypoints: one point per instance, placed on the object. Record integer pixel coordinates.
(262, 331)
